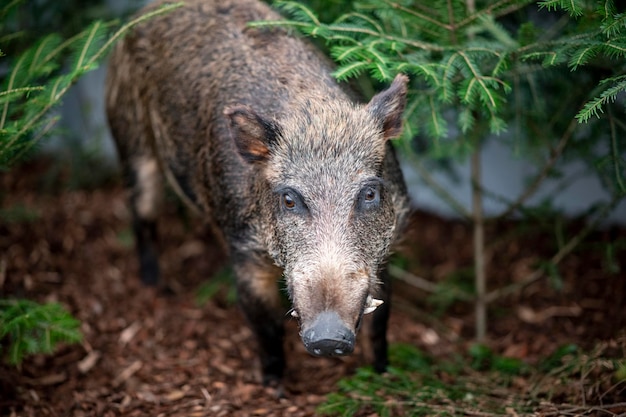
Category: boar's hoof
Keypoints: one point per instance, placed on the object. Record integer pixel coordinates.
(328, 336)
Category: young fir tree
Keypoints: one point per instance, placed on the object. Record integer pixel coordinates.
(545, 78)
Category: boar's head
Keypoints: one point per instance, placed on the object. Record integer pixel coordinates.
(329, 205)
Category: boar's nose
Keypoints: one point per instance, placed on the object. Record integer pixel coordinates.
(328, 336)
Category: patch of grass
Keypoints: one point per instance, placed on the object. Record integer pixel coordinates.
(484, 359)
(483, 383)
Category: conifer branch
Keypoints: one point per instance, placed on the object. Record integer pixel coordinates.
(453, 27)
(296, 9)
(34, 328)
(10, 87)
(427, 46)
(415, 13)
(90, 38)
(614, 26)
(570, 6)
(477, 77)
(21, 90)
(59, 86)
(500, 6)
(40, 51)
(593, 107)
(41, 133)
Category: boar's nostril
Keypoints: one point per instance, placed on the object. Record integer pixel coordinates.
(328, 336)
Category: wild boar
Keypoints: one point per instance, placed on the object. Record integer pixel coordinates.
(301, 182)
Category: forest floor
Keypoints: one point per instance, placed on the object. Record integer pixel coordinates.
(146, 353)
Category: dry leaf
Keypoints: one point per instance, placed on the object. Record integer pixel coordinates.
(129, 332)
(88, 361)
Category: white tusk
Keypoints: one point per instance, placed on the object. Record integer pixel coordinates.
(294, 313)
(371, 304)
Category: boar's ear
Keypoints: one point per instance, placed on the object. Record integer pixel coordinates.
(388, 106)
(253, 134)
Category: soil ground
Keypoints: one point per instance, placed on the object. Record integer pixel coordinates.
(150, 353)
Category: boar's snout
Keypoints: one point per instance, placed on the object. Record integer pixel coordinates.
(328, 336)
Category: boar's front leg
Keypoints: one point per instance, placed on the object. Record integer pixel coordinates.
(379, 322)
(259, 299)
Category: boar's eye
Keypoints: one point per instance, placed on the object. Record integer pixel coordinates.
(370, 194)
(291, 201)
(369, 197)
(288, 202)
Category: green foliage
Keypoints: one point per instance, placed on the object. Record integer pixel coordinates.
(417, 384)
(481, 383)
(597, 373)
(28, 328)
(611, 87)
(40, 77)
(557, 358)
(27, 96)
(484, 359)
